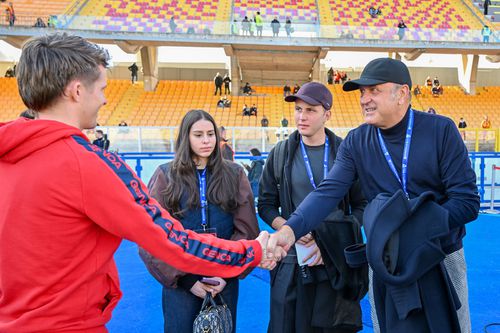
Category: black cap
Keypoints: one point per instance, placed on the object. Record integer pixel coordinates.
(313, 93)
(381, 70)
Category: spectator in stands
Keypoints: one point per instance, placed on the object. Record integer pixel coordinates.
(336, 77)
(264, 122)
(275, 26)
(259, 23)
(205, 193)
(39, 23)
(428, 82)
(255, 170)
(227, 82)
(225, 148)
(287, 90)
(284, 122)
(253, 110)
(245, 26)
(252, 27)
(224, 102)
(296, 88)
(401, 29)
(245, 111)
(172, 25)
(462, 124)
(234, 28)
(11, 15)
(435, 81)
(431, 110)
(133, 72)
(485, 6)
(10, 72)
(437, 90)
(60, 229)
(417, 91)
(190, 30)
(486, 123)
(218, 84)
(486, 33)
(28, 114)
(247, 89)
(374, 12)
(346, 34)
(123, 123)
(101, 140)
(343, 77)
(206, 31)
(52, 21)
(288, 27)
(329, 75)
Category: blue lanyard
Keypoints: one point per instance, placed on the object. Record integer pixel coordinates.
(308, 165)
(202, 180)
(406, 152)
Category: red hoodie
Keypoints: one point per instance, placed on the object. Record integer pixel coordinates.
(65, 207)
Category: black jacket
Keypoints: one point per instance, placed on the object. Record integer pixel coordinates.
(271, 199)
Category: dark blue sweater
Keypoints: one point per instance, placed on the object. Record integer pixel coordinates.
(438, 162)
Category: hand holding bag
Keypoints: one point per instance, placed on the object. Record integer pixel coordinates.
(213, 318)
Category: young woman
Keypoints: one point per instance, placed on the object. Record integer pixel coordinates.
(207, 194)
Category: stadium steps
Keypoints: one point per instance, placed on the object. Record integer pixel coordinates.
(222, 17)
(124, 110)
(325, 17)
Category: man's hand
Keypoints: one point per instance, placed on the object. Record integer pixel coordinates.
(280, 242)
(316, 254)
(269, 261)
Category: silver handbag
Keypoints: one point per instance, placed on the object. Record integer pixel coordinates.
(213, 318)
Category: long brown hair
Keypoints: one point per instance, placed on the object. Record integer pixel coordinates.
(182, 178)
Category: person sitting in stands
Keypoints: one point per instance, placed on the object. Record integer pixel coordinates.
(253, 110)
(247, 89)
(486, 124)
(431, 110)
(287, 90)
(374, 12)
(246, 110)
(39, 23)
(417, 91)
(224, 102)
(428, 82)
(123, 123)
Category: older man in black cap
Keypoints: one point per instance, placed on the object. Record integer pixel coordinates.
(399, 148)
(312, 292)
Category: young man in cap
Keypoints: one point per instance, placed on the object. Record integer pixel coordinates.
(385, 153)
(67, 204)
(303, 297)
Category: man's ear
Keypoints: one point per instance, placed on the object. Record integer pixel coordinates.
(328, 114)
(73, 90)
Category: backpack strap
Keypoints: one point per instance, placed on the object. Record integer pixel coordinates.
(279, 161)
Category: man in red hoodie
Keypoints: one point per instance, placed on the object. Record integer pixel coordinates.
(67, 204)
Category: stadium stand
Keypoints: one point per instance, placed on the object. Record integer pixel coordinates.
(167, 105)
(426, 20)
(154, 16)
(299, 11)
(455, 104)
(11, 104)
(27, 11)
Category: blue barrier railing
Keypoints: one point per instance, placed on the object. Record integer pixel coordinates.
(144, 165)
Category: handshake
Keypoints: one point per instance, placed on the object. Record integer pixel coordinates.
(275, 246)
